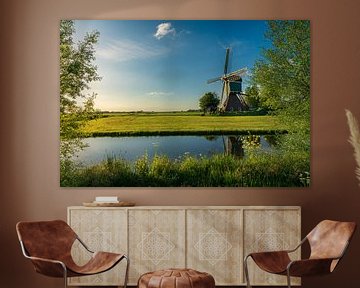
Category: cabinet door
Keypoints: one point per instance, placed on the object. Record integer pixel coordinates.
(156, 240)
(269, 230)
(214, 244)
(101, 230)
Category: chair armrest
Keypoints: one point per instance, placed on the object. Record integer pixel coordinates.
(309, 267)
(268, 254)
(84, 245)
(298, 246)
(45, 260)
(48, 267)
(281, 251)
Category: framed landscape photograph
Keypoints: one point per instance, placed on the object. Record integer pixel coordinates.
(184, 103)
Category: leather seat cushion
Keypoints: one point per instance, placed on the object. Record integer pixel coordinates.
(176, 278)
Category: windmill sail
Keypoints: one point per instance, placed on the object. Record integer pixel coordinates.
(231, 94)
(213, 80)
(226, 61)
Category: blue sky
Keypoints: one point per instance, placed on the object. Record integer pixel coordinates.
(163, 65)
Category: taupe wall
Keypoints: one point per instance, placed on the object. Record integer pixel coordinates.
(29, 179)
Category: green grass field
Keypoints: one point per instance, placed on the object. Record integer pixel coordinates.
(121, 124)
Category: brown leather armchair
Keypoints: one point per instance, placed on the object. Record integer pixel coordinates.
(328, 242)
(48, 245)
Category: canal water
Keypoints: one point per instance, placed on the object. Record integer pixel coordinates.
(175, 147)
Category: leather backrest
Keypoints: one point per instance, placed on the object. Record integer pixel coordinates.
(46, 239)
(329, 238)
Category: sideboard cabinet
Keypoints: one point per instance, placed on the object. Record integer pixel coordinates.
(212, 239)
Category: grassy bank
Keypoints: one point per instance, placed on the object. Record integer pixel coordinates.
(122, 124)
(266, 170)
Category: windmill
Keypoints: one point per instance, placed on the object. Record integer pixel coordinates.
(231, 95)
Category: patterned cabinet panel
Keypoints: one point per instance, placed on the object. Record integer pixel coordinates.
(101, 230)
(156, 240)
(271, 229)
(214, 244)
(210, 239)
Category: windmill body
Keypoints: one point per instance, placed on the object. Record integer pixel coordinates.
(232, 98)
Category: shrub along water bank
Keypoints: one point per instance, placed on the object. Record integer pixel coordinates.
(256, 170)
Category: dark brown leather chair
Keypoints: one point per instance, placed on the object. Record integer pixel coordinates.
(48, 245)
(328, 242)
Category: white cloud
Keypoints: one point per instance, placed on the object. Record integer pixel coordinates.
(159, 93)
(125, 50)
(164, 29)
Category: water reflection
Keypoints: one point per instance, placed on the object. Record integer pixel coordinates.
(233, 145)
(175, 147)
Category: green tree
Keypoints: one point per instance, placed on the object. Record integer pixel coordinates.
(252, 96)
(283, 76)
(209, 102)
(77, 71)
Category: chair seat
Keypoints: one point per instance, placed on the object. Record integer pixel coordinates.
(277, 262)
(272, 262)
(99, 262)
